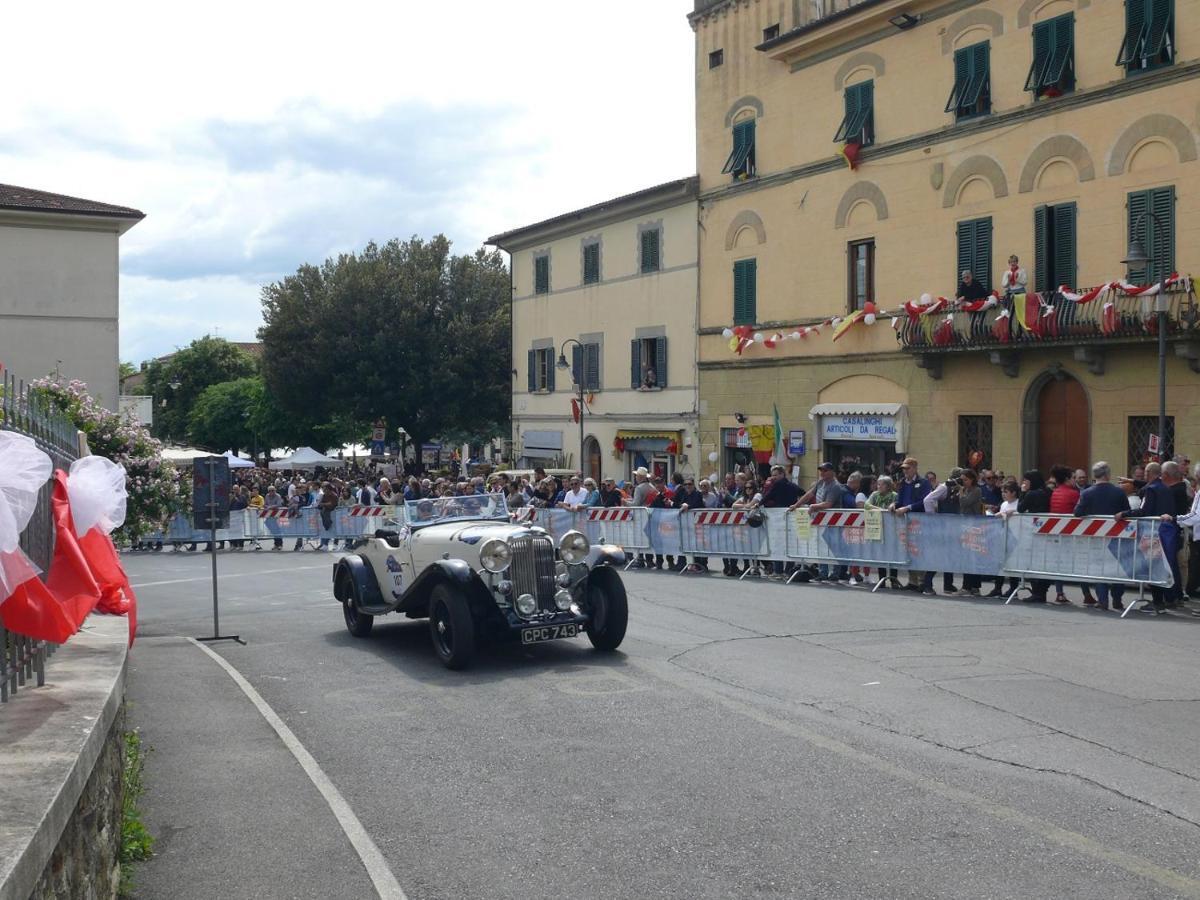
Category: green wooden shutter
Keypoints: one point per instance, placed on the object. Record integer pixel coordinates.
(1138, 203)
(592, 367)
(591, 263)
(1060, 71)
(745, 276)
(966, 249)
(983, 253)
(532, 371)
(650, 254)
(1041, 248)
(1064, 247)
(1135, 26)
(548, 355)
(1159, 14)
(660, 361)
(541, 275)
(577, 364)
(981, 75)
(1042, 41)
(1162, 204)
(635, 359)
(962, 71)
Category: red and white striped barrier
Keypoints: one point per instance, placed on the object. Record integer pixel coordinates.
(273, 512)
(368, 511)
(1068, 526)
(720, 517)
(835, 518)
(611, 514)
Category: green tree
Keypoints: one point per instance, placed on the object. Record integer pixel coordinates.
(220, 418)
(405, 332)
(177, 381)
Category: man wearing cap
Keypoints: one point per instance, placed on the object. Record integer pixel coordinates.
(642, 494)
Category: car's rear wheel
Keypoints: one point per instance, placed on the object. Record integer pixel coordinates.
(358, 623)
(451, 626)
(608, 609)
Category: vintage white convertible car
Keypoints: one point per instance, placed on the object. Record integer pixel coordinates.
(463, 564)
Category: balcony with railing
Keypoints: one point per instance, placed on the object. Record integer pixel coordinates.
(1004, 331)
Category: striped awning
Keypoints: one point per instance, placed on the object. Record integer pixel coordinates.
(631, 434)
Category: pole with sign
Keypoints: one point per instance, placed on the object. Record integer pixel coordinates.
(210, 510)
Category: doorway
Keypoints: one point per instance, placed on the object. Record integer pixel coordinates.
(591, 459)
(1058, 423)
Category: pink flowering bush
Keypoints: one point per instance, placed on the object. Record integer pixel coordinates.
(154, 491)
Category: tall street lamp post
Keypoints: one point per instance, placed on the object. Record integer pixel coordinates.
(1137, 256)
(563, 365)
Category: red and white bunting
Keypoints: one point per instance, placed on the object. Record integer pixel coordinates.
(1069, 526)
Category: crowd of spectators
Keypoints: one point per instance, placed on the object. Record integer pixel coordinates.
(1168, 491)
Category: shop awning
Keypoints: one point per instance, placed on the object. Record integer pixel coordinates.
(541, 440)
(894, 410)
(855, 409)
(633, 434)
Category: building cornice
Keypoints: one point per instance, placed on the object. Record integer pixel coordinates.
(663, 196)
(1076, 100)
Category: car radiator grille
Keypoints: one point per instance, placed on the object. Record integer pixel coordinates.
(533, 568)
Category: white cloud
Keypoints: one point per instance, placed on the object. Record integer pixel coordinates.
(260, 136)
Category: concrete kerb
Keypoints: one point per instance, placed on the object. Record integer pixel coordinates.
(50, 740)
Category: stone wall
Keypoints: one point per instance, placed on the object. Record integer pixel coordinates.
(86, 864)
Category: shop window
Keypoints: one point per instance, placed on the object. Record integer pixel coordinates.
(1054, 246)
(1140, 429)
(975, 434)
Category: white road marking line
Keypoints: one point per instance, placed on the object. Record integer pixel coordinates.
(377, 868)
(208, 577)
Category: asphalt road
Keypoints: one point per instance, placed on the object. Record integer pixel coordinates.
(749, 740)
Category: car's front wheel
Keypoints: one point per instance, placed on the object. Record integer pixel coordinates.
(358, 623)
(608, 609)
(451, 627)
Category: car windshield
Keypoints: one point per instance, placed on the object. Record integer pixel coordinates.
(447, 509)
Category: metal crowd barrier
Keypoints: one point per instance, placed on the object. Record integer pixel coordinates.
(722, 532)
(840, 537)
(622, 525)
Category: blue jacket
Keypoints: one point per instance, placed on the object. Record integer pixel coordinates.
(912, 494)
(1102, 499)
(1156, 500)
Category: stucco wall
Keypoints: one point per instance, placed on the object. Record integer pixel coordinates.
(58, 301)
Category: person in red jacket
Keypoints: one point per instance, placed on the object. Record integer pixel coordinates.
(1063, 499)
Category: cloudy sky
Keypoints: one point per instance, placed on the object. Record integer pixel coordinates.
(260, 136)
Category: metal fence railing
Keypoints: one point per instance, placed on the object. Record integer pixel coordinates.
(23, 659)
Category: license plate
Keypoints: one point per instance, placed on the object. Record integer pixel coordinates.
(548, 633)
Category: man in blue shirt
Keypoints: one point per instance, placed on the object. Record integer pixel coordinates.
(1104, 499)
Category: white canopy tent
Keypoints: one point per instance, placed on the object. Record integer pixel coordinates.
(182, 456)
(305, 458)
(236, 462)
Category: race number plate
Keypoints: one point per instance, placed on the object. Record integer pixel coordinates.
(548, 633)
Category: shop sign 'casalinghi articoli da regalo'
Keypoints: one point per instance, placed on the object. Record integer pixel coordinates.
(859, 428)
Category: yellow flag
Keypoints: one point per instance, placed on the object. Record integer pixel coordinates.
(846, 323)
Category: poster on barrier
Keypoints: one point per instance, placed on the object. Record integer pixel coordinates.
(1095, 549)
(965, 545)
(873, 524)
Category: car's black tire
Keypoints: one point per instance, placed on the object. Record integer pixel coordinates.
(608, 609)
(358, 623)
(451, 626)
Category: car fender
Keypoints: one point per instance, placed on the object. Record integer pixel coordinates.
(605, 555)
(366, 595)
(440, 571)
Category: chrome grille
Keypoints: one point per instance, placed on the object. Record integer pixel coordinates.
(532, 568)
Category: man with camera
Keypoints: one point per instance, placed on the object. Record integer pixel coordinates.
(943, 499)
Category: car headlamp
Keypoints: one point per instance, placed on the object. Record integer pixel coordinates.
(526, 604)
(495, 555)
(574, 547)
(562, 599)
